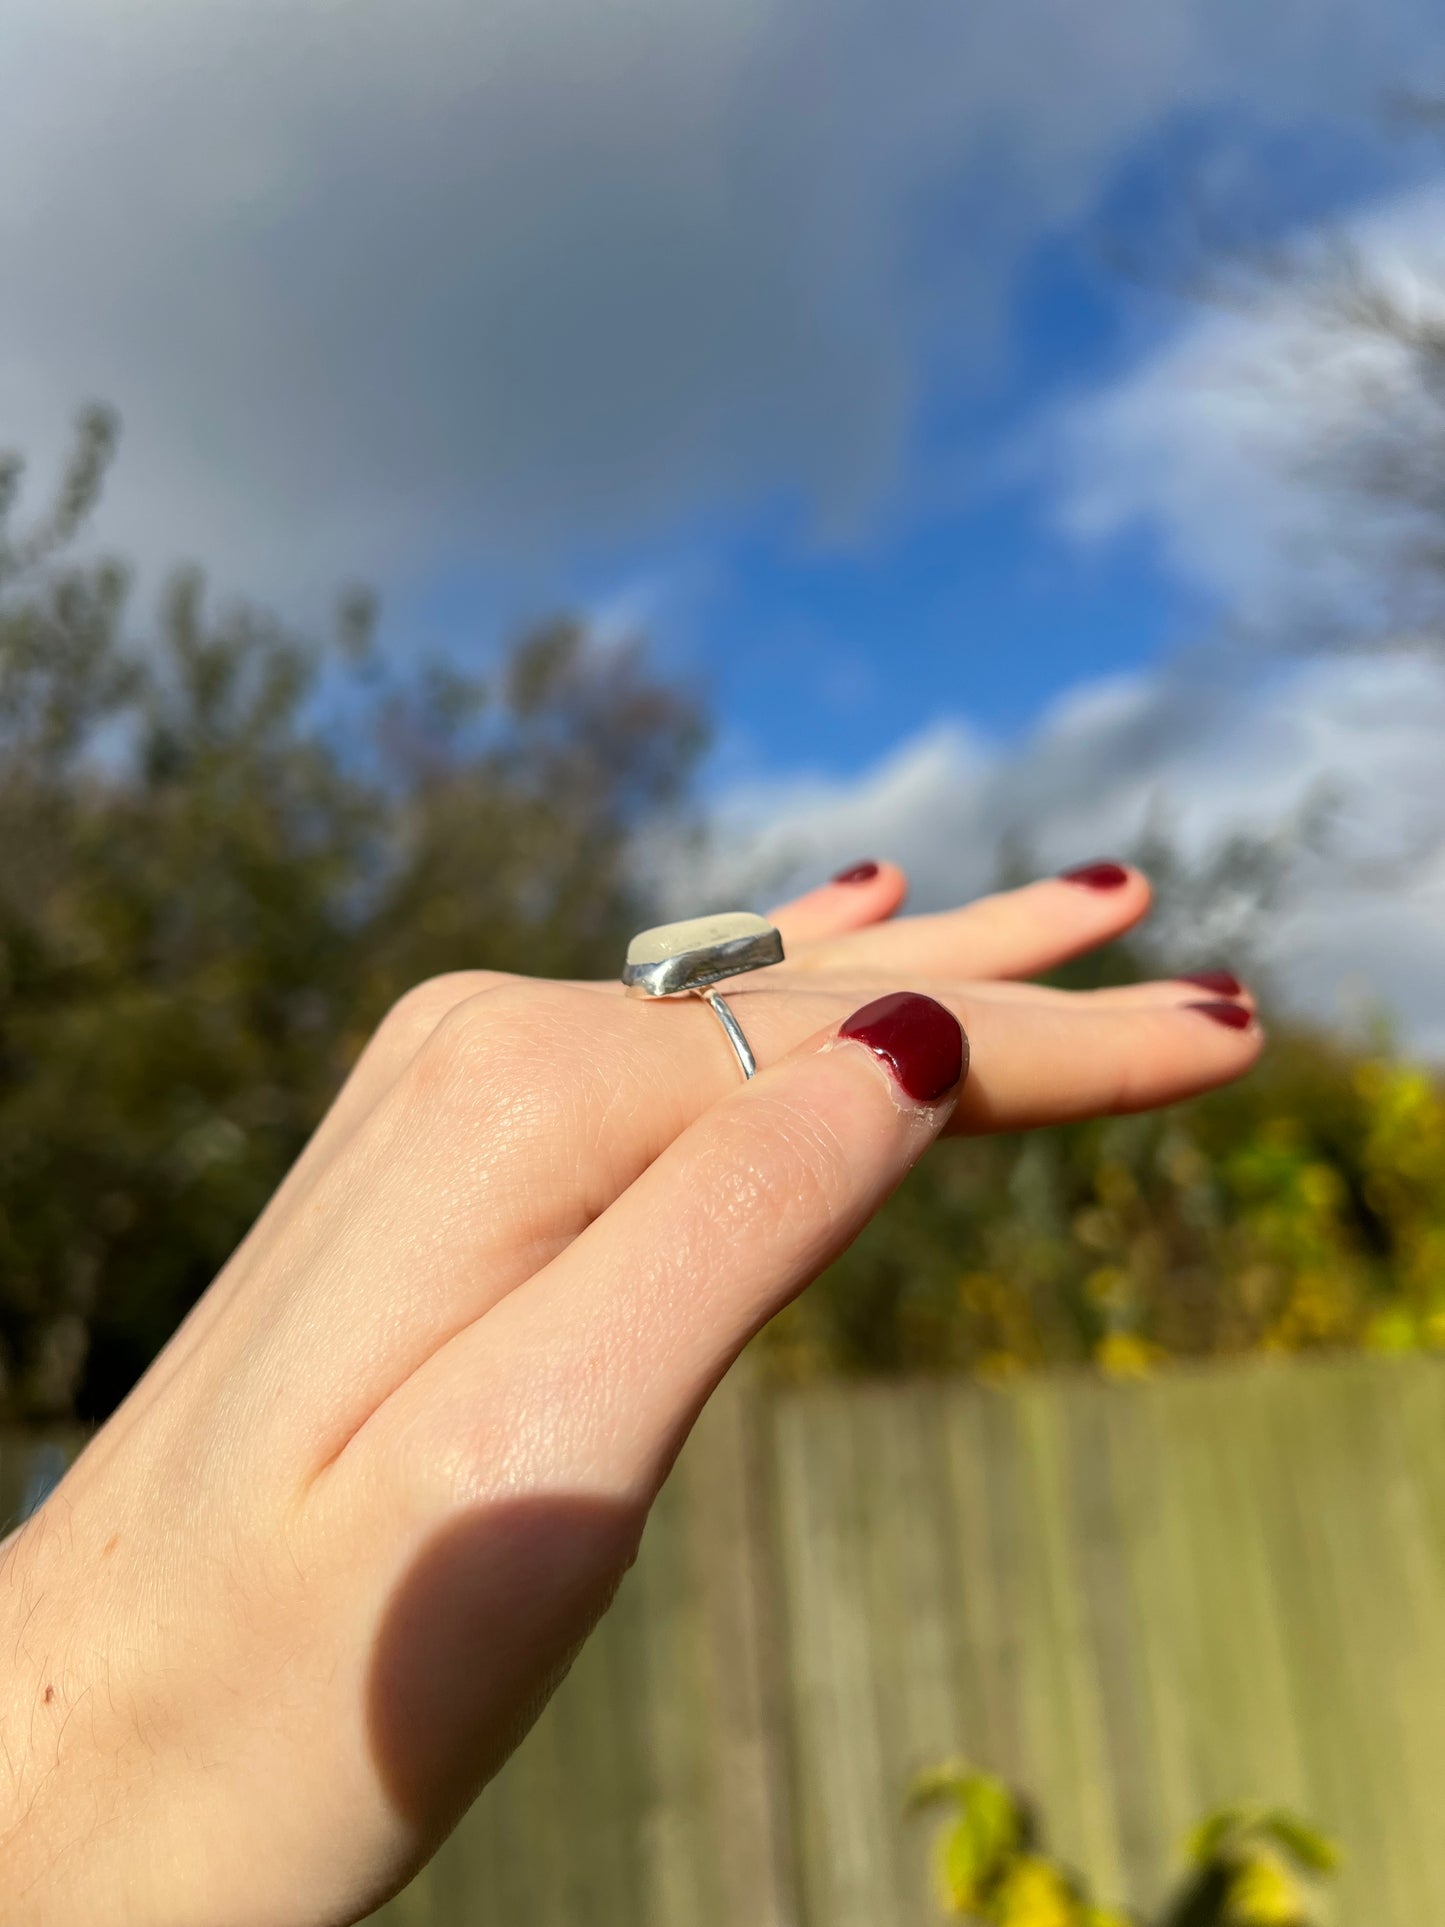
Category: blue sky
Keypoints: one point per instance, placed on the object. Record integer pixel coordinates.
(958, 594)
(971, 600)
(973, 605)
(781, 329)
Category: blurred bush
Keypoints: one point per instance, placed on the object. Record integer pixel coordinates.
(223, 852)
(1303, 1209)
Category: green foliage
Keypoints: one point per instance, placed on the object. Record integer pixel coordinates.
(1249, 1867)
(1302, 1210)
(224, 850)
(990, 1867)
(1253, 1868)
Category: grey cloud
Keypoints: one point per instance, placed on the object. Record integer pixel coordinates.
(384, 284)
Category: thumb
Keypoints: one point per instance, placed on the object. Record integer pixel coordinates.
(620, 1339)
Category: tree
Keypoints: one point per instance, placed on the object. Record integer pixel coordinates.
(224, 849)
(1345, 342)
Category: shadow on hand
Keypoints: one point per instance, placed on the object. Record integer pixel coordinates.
(477, 1636)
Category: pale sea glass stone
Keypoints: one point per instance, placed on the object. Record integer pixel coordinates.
(684, 956)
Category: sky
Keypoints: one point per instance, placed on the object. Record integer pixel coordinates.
(795, 333)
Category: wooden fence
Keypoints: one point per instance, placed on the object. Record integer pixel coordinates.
(1135, 1602)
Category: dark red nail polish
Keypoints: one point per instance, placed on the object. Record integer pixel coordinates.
(1233, 1016)
(921, 1043)
(1097, 876)
(857, 873)
(1223, 982)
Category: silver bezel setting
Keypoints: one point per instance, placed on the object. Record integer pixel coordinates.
(693, 970)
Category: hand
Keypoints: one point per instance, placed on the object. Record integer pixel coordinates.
(308, 1587)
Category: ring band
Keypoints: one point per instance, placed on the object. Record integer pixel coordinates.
(722, 1010)
(681, 959)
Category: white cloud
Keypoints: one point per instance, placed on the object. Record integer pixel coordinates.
(384, 284)
(1218, 755)
(1237, 448)
(1239, 444)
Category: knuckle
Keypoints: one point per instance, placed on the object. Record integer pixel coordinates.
(512, 1051)
(417, 1012)
(513, 1018)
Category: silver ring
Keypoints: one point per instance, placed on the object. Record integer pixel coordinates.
(722, 1010)
(682, 959)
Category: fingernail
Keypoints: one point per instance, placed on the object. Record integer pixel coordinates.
(857, 873)
(1232, 1016)
(922, 1044)
(1097, 876)
(1223, 982)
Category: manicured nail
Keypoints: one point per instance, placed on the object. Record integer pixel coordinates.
(857, 873)
(1097, 876)
(1223, 982)
(922, 1044)
(1232, 1016)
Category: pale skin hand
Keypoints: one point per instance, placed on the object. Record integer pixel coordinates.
(306, 1590)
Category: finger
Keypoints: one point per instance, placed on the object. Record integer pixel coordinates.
(1038, 1057)
(861, 894)
(1058, 1064)
(1017, 933)
(1169, 991)
(589, 1375)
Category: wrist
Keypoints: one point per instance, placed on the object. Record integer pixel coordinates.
(70, 1840)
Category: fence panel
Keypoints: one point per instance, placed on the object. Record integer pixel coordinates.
(1135, 1602)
